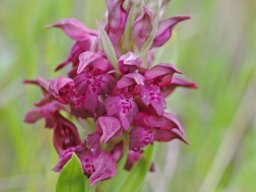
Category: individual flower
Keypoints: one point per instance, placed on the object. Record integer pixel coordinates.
(150, 128)
(116, 20)
(97, 167)
(86, 39)
(46, 112)
(92, 81)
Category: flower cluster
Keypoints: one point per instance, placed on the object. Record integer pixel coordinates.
(112, 88)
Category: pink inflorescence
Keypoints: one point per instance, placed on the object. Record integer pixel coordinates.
(123, 93)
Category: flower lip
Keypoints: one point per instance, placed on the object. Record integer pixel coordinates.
(109, 126)
(140, 137)
(151, 95)
(122, 107)
(105, 168)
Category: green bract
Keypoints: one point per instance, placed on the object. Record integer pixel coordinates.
(71, 177)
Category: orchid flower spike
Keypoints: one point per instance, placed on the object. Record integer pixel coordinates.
(112, 89)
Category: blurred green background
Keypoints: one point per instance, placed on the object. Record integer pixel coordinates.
(216, 49)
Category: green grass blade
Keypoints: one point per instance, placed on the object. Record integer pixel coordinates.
(137, 175)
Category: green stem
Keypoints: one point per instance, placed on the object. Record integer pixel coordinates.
(122, 161)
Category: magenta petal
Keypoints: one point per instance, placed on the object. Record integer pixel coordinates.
(151, 95)
(93, 142)
(74, 29)
(130, 59)
(62, 88)
(124, 121)
(112, 105)
(165, 30)
(86, 158)
(166, 122)
(65, 134)
(91, 101)
(109, 126)
(40, 82)
(97, 83)
(143, 27)
(183, 83)
(140, 137)
(33, 116)
(45, 111)
(168, 135)
(64, 157)
(160, 122)
(90, 85)
(122, 107)
(161, 70)
(129, 62)
(85, 59)
(116, 16)
(174, 122)
(116, 20)
(159, 105)
(105, 168)
(108, 83)
(130, 79)
(59, 83)
(177, 82)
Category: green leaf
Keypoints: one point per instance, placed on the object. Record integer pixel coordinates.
(107, 46)
(137, 175)
(71, 177)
